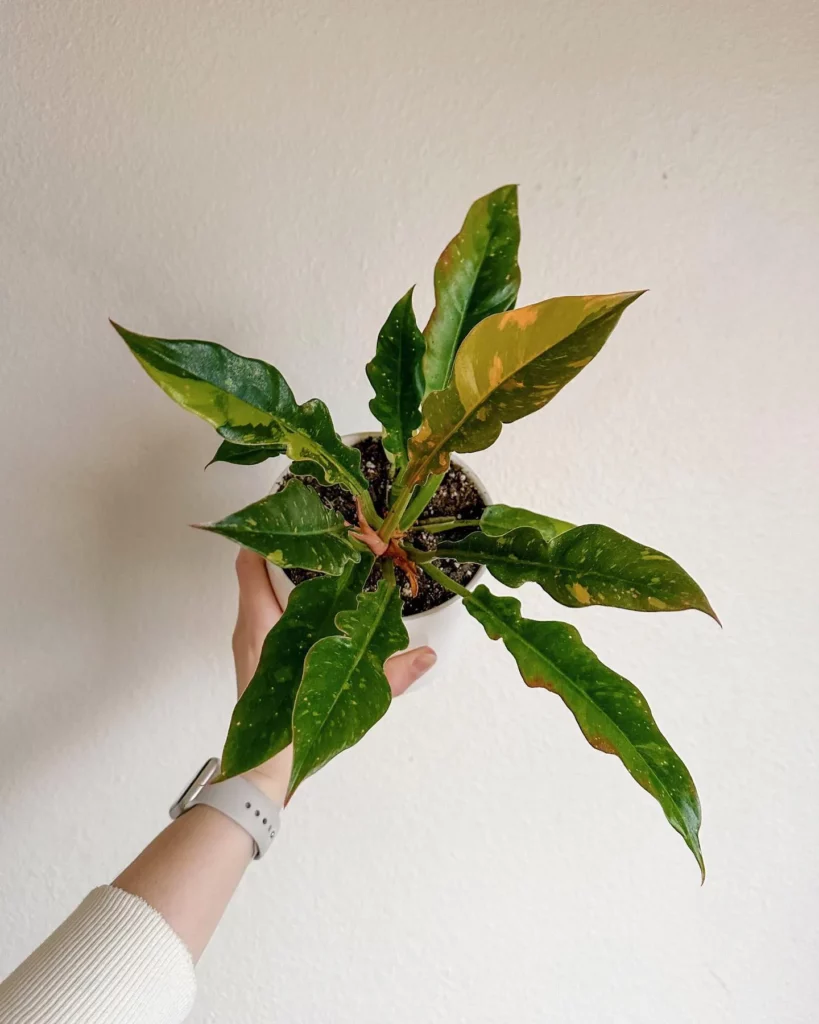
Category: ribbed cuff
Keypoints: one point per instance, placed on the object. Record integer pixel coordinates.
(115, 960)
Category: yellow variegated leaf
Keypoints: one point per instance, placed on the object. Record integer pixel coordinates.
(510, 365)
(584, 565)
(248, 402)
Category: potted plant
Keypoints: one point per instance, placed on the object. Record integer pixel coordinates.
(360, 549)
(430, 612)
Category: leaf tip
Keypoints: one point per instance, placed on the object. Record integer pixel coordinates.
(292, 786)
(706, 608)
(130, 338)
(692, 841)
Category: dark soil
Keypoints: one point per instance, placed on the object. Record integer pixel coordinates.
(457, 496)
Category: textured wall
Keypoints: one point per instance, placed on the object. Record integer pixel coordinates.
(274, 176)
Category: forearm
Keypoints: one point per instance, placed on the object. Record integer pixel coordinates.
(126, 954)
(191, 870)
(189, 873)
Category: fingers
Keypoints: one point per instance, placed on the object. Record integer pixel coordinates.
(259, 611)
(404, 669)
(256, 597)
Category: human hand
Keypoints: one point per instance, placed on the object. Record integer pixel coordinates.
(258, 613)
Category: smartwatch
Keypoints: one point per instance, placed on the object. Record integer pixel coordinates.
(237, 799)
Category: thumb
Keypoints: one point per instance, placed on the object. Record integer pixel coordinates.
(404, 669)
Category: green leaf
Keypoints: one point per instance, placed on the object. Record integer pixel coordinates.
(585, 565)
(500, 519)
(611, 712)
(511, 365)
(262, 719)
(477, 275)
(305, 468)
(344, 691)
(292, 528)
(420, 499)
(253, 454)
(396, 377)
(246, 454)
(248, 402)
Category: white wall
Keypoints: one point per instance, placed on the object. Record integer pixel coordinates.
(274, 176)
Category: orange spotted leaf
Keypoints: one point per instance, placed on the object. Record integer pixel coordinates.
(612, 713)
(582, 566)
(510, 365)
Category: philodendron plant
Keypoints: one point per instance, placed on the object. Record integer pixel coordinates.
(479, 364)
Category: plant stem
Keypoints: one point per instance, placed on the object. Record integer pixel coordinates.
(441, 577)
(373, 518)
(417, 555)
(393, 520)
(444, 523)
(423, 497)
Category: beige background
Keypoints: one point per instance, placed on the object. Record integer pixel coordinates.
(274, 176)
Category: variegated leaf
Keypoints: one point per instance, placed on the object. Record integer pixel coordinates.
(585, 565)
(476, 275)
(254, 454)
(497, 520)
(396, 377)
(248, 402)
(611, 712)
(344, 690)
(292, 528)
(509, 366)
(247, 454)
(261, 725)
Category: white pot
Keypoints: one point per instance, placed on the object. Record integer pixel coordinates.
(438, 627)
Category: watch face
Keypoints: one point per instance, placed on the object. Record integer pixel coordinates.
(195, 786)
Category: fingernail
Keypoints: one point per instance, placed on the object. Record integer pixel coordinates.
(423, 661)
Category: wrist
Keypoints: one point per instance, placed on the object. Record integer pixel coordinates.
(252, 801)
(273, 786)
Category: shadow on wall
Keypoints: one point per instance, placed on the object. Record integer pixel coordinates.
(105, 554)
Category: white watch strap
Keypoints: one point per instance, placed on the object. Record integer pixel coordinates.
(243, 803)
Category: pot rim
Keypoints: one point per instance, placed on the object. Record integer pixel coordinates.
(362, 435)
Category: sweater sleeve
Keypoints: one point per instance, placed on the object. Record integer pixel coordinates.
(114, 960)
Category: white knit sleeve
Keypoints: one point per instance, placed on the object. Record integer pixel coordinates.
(114, 960)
